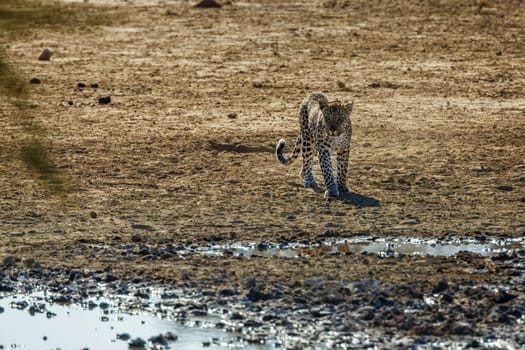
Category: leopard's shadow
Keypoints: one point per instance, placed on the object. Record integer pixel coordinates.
(359, 200)
(354, 198)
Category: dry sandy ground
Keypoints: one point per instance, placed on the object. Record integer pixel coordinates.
(184, 152)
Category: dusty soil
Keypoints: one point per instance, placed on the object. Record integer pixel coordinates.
(183, 154)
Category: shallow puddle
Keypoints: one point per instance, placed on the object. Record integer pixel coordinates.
(372, 245)
(36, 322)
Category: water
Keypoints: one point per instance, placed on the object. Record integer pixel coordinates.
(371, 245)
(34, 322)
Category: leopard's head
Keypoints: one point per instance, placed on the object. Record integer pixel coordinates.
(336, 115)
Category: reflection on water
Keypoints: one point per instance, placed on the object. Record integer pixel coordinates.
(34, 322)
(371, 245)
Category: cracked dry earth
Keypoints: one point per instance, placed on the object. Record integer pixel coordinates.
(183, 154)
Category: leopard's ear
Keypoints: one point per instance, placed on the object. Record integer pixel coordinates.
(322, 104)
(349, 107)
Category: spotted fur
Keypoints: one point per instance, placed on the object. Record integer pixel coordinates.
(325, 128)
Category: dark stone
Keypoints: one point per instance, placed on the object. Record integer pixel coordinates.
(447, 298)
(81, 85)
(461, 328)
(45, 55)
(227, 292)
(137, 344)
(123, 336)
(9, 261)
(93, 215)
(35, 81)
(6, 287)
(252, 324)
(158, 340)
(236, 316)
(61, 299)
(104, 100)
(503, 297)
(381, 301)
(170, 337)
(440, 287)
(255, 295)
(136, 238)
(142, 227)
(207, 4)
(94, 86)
(70, 103)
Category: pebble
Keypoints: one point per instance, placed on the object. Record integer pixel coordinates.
(207, 4)
(104, 100)
(142, 227)
(123, 336)
(137, 344)
(45, 55)
(35, 81)
(9, 261)
(440, 287)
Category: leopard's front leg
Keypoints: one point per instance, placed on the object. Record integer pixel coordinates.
(328, 173)
(342, 169)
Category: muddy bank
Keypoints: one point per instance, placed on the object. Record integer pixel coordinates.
(295, 311)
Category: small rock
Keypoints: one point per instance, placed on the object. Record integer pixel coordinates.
(255, 296)
(70, 103)
(9, 261)
(170, 337)
(93, 215)
(34, 81)
(142, 227)
(45, 55)
(236, 316)
(158, 340)
(505, 188)
(503, 297)
(81, 85)
(123, 336)
(104, 100)
(94, 86)
(6, 287)
(137, 344)
(440, 287)
(136, 238)
(232, 115)
(207, 4)
(227, 292)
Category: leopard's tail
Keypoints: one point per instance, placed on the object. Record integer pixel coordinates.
(280, 147)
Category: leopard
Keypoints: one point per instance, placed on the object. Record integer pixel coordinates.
(325, 129)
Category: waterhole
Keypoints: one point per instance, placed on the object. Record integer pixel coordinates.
(371, 245)
(40, 321)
